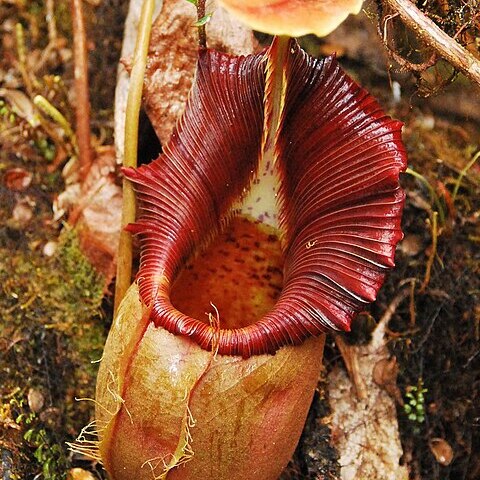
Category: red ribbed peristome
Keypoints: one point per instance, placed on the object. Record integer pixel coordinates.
(340, 203)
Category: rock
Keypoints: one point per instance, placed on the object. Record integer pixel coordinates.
(80, 474)
(442, 451)
(35, 399)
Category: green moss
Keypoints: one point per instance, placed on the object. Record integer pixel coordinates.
(79, 289)
(52, 329)
(50, 455)
(84, 289)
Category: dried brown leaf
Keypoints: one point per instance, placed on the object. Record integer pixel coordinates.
(100, 216)
(442, 451)
(173, 55)
(385, 374)
(17, 179)
(21, 105)
(95, 209)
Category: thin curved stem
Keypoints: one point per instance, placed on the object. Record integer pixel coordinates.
(202, 35)
(462, 174)
(433, 195)
(124, 258)
(82, 105)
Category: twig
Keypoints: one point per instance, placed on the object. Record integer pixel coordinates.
(22, 58)
(51, 23)
(437, 39)
(82, 105)
(433, 252)
(379, 332)
(404, 63)
(124, 258)
(428, 331)
(413, 315)
(465, 26)
(414, 67)
(350, 358)
(53, 41)
(202, 36)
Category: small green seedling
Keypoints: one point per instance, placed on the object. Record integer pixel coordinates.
(415, 402)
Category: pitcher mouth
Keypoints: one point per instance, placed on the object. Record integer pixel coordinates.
(327, 172)
(224, 291)
(238, 278)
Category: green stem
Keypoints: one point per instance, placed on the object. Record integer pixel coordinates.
(462, 174)
(433, 196)
(22, 57)
(433, 252)
(46, 107)
(124, 258)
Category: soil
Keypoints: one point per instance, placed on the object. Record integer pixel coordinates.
(55, 314)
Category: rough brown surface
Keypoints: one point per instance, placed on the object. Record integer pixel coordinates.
(173, 54)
